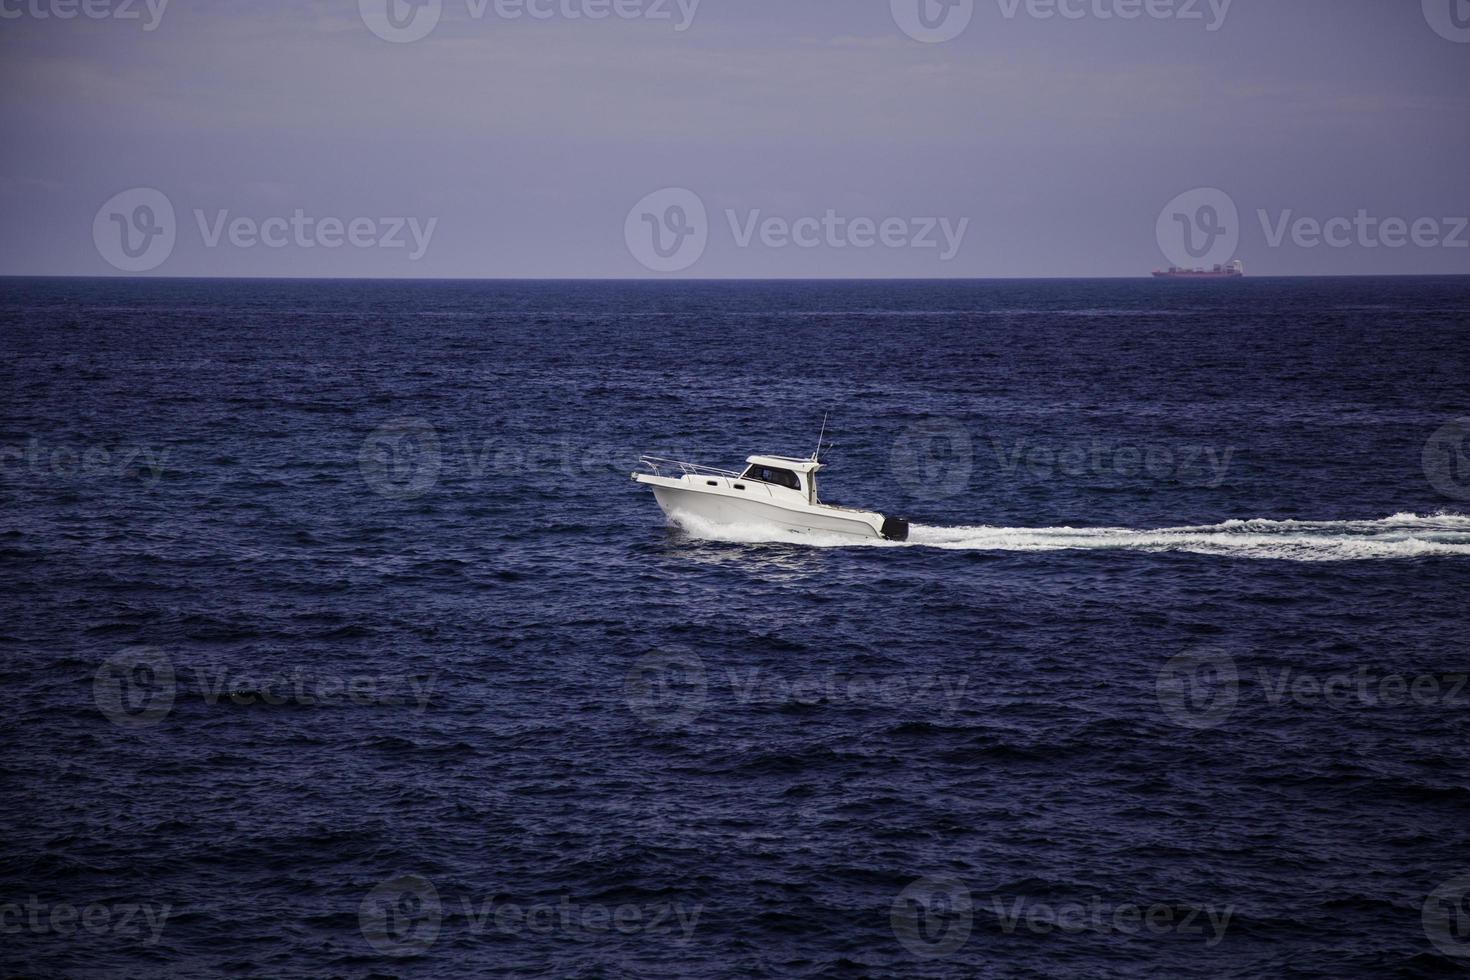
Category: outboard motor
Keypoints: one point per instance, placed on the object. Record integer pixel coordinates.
(895, 529)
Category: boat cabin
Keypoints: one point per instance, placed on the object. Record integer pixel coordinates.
(784, 471)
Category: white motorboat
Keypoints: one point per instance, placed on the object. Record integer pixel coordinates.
(775, 491)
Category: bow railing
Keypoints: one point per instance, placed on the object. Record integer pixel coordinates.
(657, 464)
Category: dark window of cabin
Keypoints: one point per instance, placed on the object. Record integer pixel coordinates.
(770, 474)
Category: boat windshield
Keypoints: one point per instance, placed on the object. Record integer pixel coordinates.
(770, 474)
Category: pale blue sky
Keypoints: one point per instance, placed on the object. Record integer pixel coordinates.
(530, 140)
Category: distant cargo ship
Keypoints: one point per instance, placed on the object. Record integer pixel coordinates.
(1234, 270)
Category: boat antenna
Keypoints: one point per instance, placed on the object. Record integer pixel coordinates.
(817, 455)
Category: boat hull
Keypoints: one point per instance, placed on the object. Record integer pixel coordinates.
(727, 510)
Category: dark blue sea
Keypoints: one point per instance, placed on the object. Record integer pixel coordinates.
(336, 640)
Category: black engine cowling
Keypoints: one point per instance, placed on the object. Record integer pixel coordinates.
(895, 529)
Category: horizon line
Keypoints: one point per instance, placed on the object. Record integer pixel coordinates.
(711, 279)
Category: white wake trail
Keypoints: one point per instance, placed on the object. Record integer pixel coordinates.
(1399, 536)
